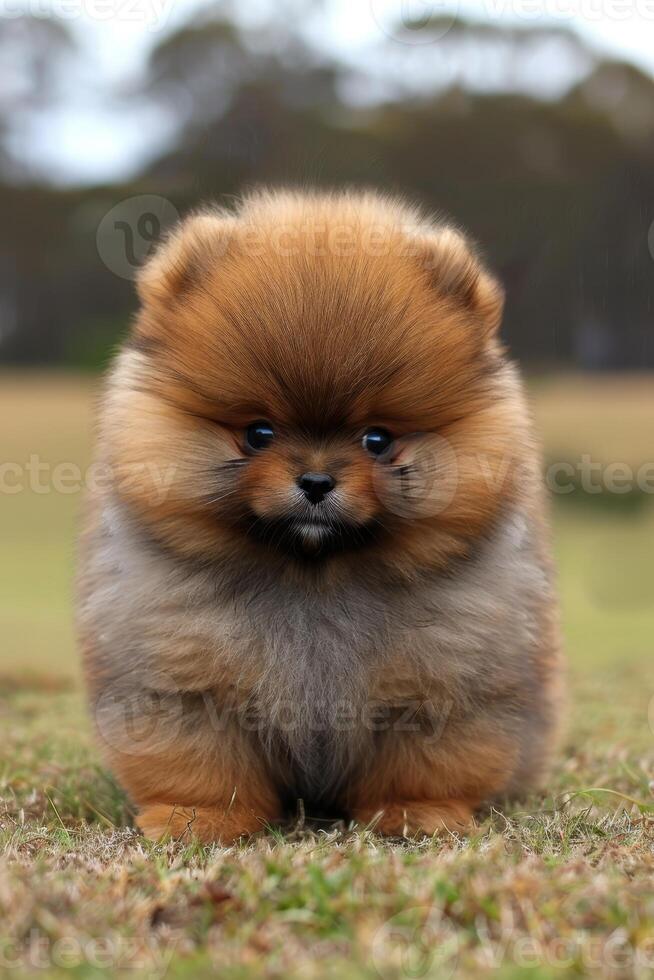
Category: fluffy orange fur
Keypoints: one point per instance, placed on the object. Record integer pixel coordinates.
(326, 316)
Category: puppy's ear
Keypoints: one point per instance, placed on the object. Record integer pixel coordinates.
(456, 271)
(185, 256)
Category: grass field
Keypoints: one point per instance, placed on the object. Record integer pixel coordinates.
(562, 885)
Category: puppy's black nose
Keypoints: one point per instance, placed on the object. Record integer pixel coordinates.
(316, 486)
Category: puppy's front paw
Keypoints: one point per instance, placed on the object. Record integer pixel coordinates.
(413, 818)
(206, 824)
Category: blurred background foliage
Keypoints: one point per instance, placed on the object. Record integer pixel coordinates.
(537, 145)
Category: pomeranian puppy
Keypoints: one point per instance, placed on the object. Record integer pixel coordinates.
(315, 562)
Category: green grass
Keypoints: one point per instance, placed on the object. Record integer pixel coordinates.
(558, 886)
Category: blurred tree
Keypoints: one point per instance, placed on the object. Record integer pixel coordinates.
(559, 190)
(34, 52)
(198, 70)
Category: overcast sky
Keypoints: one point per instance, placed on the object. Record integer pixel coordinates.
(83, 143)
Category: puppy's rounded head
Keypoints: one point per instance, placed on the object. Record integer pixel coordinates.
(318, 379)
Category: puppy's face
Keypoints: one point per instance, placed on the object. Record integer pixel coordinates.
(320, 400)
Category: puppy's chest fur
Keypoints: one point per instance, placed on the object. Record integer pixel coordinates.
(304, 670)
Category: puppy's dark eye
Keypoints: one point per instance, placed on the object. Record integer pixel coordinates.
(377, 441)
(259, 435)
